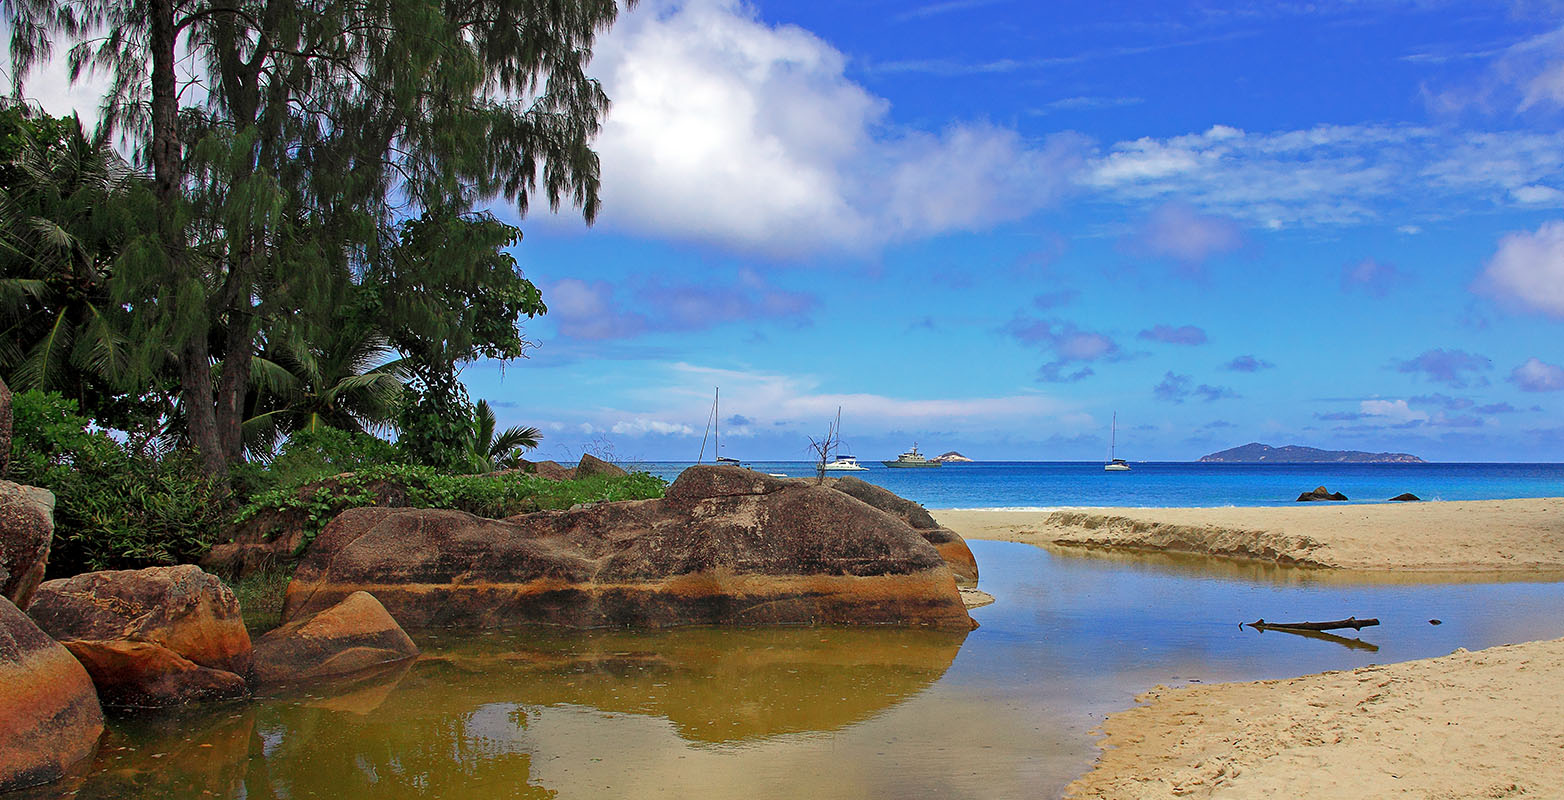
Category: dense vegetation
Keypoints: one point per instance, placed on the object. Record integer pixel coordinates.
(286, 277)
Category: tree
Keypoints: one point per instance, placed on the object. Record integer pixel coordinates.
(67, 205)
(487, 452)
(310, 128)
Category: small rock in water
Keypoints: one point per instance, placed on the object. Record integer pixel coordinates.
(1405, 497)
(1436, 622)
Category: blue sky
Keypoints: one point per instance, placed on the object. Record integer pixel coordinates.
(987, 225)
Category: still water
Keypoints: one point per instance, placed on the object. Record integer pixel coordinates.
(1004, 711)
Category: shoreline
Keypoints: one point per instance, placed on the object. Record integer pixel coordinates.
(1487, 537)
(1487, 723)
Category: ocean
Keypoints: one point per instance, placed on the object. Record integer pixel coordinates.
(1046, 485)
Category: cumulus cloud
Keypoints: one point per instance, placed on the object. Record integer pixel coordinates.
(642, 426)
(1374, 277)
(1178, 232)
(1443, 401)
(1247, 364)
(1528, 269)
(1073, 348)
(727, 129)
(595, 311)
(1167, 334)
(1454, 368)
(1538, 376)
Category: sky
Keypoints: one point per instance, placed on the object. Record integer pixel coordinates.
(990, 225)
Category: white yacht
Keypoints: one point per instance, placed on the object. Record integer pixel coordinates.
(845, 464)
(1115, 464)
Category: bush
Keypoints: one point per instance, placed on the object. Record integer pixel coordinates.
(312, 455)
(494, 495)
(114, 509)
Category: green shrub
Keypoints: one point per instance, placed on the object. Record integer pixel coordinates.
(321, 453)
(114, 509)
(495, 495)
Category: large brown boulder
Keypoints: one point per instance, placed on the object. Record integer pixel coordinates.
(26, 531)
(950, 545)
(726, 546)
(353, 636)
(49, 713)
(152, 637)
(592, 465)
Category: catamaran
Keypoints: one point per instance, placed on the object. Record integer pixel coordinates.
(1115, 464)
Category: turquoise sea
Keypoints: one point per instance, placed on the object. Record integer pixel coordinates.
(1035, 484)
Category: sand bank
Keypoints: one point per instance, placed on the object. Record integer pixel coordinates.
(1483, 724)
(1484, 536)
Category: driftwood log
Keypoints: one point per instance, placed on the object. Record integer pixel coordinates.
(1350, 622)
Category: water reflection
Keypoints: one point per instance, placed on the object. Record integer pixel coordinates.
(1005, 711)
(1255, 571)
(1351, 643)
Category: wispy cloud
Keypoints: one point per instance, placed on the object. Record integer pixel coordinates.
(1376, 278)
(1247, 364)
(938, 9)
(1176, 388)
(950, 68)
(1168, 334)
(598, 310)
(1073, 349)
(1082, 103)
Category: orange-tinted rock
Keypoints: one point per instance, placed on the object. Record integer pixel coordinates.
(350, 637)
(49, 713)
(152, 637)
(950, 545)
(551, 470)
(592, 465)
(727, 546)
(26, 532)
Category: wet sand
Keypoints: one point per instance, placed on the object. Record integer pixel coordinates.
(1472, 724)
(1479, 536)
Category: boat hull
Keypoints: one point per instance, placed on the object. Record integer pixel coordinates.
(905, 465)
(1116, 468)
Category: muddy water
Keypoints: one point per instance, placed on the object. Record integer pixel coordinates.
(1005, 711)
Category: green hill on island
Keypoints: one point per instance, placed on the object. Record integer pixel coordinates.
(1295, 454)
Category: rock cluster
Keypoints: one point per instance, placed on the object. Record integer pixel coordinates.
(150, 638)
(725, 546)
(1320, 493)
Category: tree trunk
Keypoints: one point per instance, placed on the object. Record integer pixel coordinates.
(194, 355)
(1350, 622)
(232, 384)
(5, 428)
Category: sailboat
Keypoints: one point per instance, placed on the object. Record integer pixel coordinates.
(1115, 464)
(714, 427)
(843, 463)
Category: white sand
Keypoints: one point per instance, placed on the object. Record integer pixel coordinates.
(1483, 724)
(1482, 536)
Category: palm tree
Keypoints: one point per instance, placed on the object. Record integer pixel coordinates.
(347, 381)
(487, 452)
(64, 213)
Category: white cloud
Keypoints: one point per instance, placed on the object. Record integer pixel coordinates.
(727, 129)
(1528, 268)
(642, 426)
(1392, 410)
(1331, 174)
(1538, 376)
(1535, 194)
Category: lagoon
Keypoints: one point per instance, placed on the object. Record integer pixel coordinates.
(1003, 711)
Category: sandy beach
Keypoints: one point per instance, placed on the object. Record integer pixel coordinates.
(1472, 724)
(1481, 536)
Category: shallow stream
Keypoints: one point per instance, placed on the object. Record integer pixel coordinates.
(1005, 711)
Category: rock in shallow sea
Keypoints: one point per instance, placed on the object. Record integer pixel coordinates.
(1321, 493)
(49, 713)
(726, 546)
(152, 637)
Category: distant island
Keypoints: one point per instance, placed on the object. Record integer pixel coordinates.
(1294, 454)
(951, 457)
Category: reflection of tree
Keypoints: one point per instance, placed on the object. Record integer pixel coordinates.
(196, 752)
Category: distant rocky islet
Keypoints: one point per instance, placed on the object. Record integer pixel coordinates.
(1254, 452)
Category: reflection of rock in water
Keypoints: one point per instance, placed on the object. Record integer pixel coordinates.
(455, 723)
(714, 685)
(193, 752)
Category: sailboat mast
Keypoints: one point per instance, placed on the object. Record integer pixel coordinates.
(1113, 437)
(716, 424)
